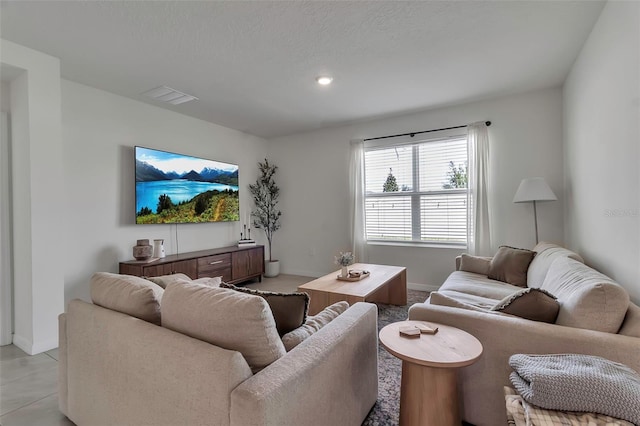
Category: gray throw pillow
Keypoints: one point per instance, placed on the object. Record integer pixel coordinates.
(288, 309)
(313, 324)
(510, 265)
(531, 303)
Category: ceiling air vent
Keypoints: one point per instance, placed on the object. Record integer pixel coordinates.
(169, 95)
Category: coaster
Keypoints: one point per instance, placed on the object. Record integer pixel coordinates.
(411, 331)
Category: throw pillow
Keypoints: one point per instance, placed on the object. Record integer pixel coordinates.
(226, 318)
(209, 281)
(531, 303)
(510, 265)
(475, 264)
(289, 309)
(313, 324)
(164, 280)
(130, 295)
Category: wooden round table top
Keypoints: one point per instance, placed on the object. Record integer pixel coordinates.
(450, 347)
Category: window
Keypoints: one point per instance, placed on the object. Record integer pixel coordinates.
(417, 192)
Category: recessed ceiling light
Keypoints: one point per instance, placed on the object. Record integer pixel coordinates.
(324, 80)
(167, 94)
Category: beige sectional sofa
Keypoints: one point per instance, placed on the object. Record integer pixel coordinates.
(595, 317)
(118, 369)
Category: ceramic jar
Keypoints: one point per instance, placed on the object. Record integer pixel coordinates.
(142, 250)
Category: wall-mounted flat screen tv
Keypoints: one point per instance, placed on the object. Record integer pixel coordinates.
(176, 188)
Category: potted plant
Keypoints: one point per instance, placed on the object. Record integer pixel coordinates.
(344, 259)
(266, 215)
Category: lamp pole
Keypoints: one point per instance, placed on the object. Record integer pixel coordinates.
(535, 219)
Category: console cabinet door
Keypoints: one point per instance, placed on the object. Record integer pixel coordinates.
(256, 261)
(247, 263)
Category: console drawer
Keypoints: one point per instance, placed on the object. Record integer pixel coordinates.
(215, 266)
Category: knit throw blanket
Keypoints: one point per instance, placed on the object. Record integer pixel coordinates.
(570, 382)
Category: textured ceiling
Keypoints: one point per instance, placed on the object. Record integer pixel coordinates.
(253, 64)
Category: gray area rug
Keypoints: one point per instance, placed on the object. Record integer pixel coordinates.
(387, 409)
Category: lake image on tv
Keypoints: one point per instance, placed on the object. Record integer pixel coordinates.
(174, 188)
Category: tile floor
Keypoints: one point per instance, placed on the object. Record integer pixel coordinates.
(29, 384)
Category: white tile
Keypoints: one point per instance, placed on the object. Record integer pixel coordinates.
(53, 353)
(16, 368)
(28, 389)
(41, 413)
(11, 352)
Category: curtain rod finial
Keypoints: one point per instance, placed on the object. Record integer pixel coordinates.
(487, 123)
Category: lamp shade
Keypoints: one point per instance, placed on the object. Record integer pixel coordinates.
(534, 189)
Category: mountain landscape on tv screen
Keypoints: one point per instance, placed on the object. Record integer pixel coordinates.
(168, 196)
(146, 172)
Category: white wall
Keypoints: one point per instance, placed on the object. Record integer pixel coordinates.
(5, 97)
(99, 131)
(602, 134)
(526, 140)
(37, 185)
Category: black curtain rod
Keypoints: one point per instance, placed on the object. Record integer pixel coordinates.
(412, 134)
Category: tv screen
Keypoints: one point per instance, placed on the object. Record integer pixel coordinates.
(175, 188)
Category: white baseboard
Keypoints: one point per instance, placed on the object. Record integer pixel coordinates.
(302, 273)
(34, 349)
(422, 287)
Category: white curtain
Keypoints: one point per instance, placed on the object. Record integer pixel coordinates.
(478, 229)
(356, 187)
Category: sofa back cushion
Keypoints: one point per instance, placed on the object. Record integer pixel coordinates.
(588, 299)
(225, 318)
(546, 254)
(130, 295)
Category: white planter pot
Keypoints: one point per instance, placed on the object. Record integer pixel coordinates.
(271, 269)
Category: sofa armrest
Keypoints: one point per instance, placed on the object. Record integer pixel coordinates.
(504, 335)
(330, 378)
(458, 262)
(121, 370)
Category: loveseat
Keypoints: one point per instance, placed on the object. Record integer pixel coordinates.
(595, 317)
(127, 364)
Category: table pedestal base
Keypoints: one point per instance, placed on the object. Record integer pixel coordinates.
(428, 396)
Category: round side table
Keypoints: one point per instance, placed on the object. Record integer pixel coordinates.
(428, 394)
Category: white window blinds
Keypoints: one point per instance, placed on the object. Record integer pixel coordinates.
(417, 192)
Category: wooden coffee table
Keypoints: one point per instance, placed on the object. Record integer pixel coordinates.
(428, 394)
(386, 284)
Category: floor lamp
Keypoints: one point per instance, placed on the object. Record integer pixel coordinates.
(534, 189)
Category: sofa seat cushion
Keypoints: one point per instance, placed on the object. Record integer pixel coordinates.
(478, 285)
(456, 299)
(631, 323)
(546, 254)
(588, 299)
(130, 295)
(225, 318)
(313, 324)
